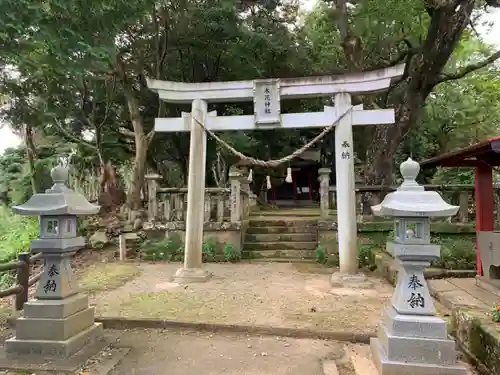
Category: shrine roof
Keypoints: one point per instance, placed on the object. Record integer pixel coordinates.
(487, 151)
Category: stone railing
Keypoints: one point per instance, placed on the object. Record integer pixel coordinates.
(460, 195)
(221, 204)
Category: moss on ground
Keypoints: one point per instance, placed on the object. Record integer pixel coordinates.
(168, 305)
(107, 276)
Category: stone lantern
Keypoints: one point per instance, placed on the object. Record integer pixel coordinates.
(58, 322)
(411, 338)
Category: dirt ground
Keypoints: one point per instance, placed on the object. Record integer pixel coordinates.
(278, 295)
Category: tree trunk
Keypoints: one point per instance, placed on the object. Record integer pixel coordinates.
(424, 69)
(133, 200)
(141, 148)
(31, 154)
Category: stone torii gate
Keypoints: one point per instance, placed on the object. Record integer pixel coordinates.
(266, 95)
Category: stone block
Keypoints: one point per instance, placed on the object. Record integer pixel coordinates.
(413, 251)
(55, 309)
(430, 327)
(387, 367)
(416, 349)
(54, 329)
(54, 348)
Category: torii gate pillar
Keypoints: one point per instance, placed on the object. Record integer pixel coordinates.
(192, 270)
(266, 95)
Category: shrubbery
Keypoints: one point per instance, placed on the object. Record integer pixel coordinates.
(172, 249)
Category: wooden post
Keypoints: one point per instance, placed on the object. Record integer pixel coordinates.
(152, 182)
(23, 277)
(463, 213)
(484, 206)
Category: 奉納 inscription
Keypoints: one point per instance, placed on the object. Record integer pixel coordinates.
(416, 300)
(414, 282)
(51, 284)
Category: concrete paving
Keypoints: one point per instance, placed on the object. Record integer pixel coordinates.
(193, 353)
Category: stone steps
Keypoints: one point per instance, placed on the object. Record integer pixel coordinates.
(281, 230)
(297, 223)
(284, 255)
(281, 245)
(281, 260)
(279, 239)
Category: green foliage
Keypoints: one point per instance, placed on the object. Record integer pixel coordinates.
(320, 255)
(209, 250)
(231, 254)
(495, 314)
(16, 234)
(366, 257)
(169, 249)
(456, 254)
(172, 249)
(80, 63)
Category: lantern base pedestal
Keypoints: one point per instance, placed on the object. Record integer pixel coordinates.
(55, 328)
(414, 344)
(387, 367)
(49, 349)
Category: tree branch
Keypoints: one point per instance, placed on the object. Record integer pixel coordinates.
(70, 137)
(445, 77)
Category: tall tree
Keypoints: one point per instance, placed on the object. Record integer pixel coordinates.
(424, 35)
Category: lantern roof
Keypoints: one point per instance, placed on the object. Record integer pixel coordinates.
(58, 200)
(411, 199)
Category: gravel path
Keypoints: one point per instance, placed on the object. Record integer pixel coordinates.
(279, 295)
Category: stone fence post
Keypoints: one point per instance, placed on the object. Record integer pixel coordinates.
(235, 181)
(152, 185)
(324, 191)
(245, 191)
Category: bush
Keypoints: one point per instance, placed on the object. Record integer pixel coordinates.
(209, 249)
(366, 257)
(16, 234)
(231, 254)
(172, 249)
(456, 254)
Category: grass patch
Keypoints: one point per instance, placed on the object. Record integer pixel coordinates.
(107, 276)
(16, 233)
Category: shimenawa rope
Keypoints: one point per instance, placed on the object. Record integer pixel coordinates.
(249, 161)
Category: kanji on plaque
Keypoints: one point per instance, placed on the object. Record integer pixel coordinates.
(267, 101)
